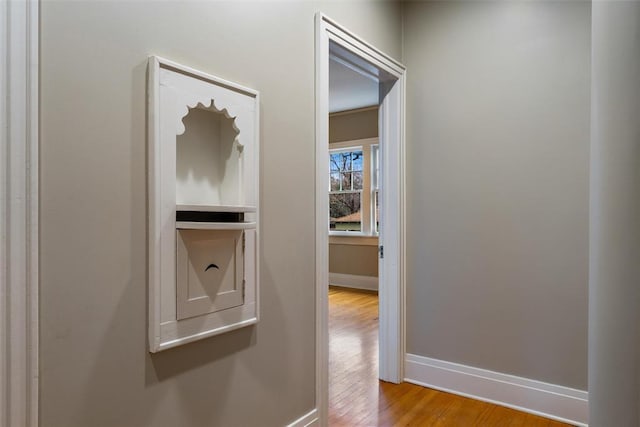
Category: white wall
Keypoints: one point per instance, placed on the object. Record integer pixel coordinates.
(614, 299)
(95, 368)
(498, 164)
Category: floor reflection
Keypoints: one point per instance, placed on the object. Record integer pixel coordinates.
(358, 399)
(353, 357)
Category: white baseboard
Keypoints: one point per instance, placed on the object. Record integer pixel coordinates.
(354, 281)
(309, 419)
(536, 397)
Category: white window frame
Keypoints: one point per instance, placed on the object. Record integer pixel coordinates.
(374, 187)
(364, 145)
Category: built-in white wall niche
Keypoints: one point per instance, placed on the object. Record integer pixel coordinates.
(203, 205)
(209, 160)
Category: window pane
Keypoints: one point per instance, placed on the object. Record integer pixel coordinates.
(346, 160)
(356, 157)
(335, 162)
(357, 180)
(342, 160)
(346, 181)
(335, 182)
(346, 184)
(344, 210)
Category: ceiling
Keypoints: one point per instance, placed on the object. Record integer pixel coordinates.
(349, 89)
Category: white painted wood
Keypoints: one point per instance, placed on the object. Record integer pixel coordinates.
(353, 143)
(548, 400)
(322, 219)
(371, 59)
(175, 333)
(187, 107)
(19, 213)
(391, 273)
(361, 55)
(210, 158)
(307, 420)
(354, 281)
(185, 225)
(210, 271)
(215, 208)
(214, 161)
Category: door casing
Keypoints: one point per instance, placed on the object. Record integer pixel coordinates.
(333, 39)
(19, 139)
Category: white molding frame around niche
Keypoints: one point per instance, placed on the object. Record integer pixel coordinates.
(19, 50)
(184, 88)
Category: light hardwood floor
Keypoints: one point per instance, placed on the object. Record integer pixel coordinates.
(358, 399)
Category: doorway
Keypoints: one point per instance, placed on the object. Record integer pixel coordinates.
(335, 42)
(353, 246)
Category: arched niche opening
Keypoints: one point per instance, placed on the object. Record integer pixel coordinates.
(209, 159)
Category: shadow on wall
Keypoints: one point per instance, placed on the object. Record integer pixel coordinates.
(118, 362)
(178, 360)
(121, 368)
(199, 383)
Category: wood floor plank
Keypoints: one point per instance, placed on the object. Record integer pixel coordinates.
(358, 399)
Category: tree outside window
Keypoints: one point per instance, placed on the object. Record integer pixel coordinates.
(345, 193)
(353, 189)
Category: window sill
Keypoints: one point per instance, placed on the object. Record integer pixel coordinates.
(361, 240)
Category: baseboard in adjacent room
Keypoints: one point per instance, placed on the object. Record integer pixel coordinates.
(309, 419)
(354, 281)
(536, 397)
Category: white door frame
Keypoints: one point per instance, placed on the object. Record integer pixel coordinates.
(19, 213)
(392, 144)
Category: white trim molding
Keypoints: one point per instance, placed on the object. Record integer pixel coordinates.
(336, 42)
(19, 213)
(310, 419)
(354, 240)
(355, 281)
(548, 400)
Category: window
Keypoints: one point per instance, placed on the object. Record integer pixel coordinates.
(353, 188)
(375, 187)
(345, 193)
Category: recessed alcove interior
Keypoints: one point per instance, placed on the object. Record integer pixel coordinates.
(209, 159)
